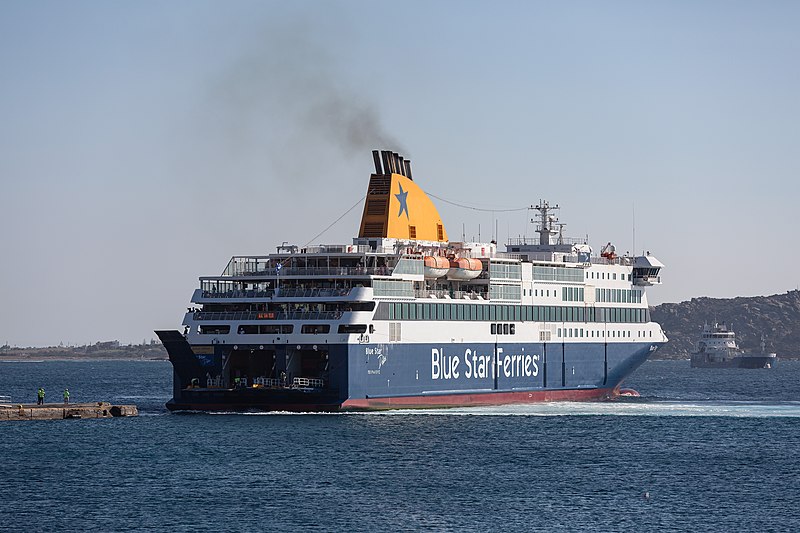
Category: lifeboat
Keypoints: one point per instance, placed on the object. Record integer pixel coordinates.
(436, 266)
(464, 268)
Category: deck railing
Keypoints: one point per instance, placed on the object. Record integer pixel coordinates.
(320, 271)
(266, 315)
(454, 295)
(283, 293)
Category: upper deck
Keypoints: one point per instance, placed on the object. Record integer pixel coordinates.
(402, 251)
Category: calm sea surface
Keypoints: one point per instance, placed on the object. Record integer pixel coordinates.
(716, 450)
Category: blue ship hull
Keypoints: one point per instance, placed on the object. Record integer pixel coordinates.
(394, 375)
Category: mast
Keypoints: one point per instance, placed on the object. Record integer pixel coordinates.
(547, 222)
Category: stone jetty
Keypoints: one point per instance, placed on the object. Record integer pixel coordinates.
(60, 411)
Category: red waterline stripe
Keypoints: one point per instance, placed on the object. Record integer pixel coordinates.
(478, 399)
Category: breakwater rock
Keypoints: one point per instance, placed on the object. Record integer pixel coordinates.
(55, 411)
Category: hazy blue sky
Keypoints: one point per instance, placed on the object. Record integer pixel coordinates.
(144, 143)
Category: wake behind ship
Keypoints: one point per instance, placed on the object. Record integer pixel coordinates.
(403, 317)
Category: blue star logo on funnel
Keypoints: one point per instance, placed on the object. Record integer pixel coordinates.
(402, 198)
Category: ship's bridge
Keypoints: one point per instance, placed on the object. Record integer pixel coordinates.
(646, 269)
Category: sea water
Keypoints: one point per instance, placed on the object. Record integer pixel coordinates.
(700, 450)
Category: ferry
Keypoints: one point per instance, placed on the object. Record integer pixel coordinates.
(717, 348)
(404, 317)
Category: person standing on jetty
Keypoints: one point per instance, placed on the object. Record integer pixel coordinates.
(66, 396)
(40, 396)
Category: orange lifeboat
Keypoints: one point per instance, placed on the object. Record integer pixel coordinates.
(436, 266)
(464, 268)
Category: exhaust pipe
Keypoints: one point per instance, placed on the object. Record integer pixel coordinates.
(407, 164)
(377, 159)
(387, 169)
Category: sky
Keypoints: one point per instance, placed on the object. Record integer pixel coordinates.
(143, 144)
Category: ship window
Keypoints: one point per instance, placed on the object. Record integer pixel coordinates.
(559, 332)
(447, 311)
(494, 329)
(406, 314)
(315, 328)
(248, 330)
(512, 329)
(352, 328)
(426, 312)
(505, 329)
(215, 330)
(460, 311)
(473, 312)
(394, 331)
(271, 329)
(412, 311)
(412, 232)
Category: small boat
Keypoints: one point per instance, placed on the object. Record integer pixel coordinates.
(464, 268)
(436, 266)
(717, 348)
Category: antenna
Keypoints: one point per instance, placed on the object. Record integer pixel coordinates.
(634, 228)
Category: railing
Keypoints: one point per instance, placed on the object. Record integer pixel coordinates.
(535, 241)
(283, 293)
(238, 294)
(455, 295)
(322, 271)
(272, 383)
(560, 257)
(314, 383)
(268, 382)
(267, 315)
